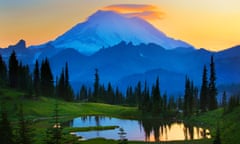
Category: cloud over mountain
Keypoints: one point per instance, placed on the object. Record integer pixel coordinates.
(146, 12)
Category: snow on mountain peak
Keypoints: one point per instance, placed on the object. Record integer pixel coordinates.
(108, 28)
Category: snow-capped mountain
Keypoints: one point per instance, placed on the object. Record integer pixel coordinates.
(107, 28)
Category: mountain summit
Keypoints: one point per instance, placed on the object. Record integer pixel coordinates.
(108, 28)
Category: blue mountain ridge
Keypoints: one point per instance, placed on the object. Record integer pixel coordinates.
(125, 64)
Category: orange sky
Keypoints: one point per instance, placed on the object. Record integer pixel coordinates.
(212, 24)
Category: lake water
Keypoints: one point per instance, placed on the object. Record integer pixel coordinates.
(152, 130)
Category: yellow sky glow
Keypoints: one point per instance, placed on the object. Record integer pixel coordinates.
(210, 24)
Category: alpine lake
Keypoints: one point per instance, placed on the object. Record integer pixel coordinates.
(148, 130)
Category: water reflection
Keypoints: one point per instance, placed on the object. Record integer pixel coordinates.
(149, 130)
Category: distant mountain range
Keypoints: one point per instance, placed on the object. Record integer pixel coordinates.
(126, 50)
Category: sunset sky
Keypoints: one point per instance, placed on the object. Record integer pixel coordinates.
(211, 24)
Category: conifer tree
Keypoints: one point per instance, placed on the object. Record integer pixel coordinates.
(96, 87)
(187, 97)
(146, 104)
(3, 72)
(156, 98)
(6, 134)
(68, 89)
(13, 70)
(24, 130)
(83, 93)
(204, 91)
(46, 81)
(110, 94)
(54, 132)
(138, 94)
(36, 79)
(224, 100)
(61, 86)
(212, 86)
(130, 97)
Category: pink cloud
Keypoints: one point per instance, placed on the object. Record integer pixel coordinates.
(147, 12)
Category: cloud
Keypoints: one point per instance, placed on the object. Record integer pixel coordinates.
(147, 12)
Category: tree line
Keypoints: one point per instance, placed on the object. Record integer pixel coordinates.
(41, 82)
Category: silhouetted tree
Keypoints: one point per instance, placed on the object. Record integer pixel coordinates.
(83, 93)
(212, 86)
(61, 86)
(224, 100)
(3, 72)
(13, 70)
(146, 102)
(156, 98)
(36, 79)
(204, 91)
(138, 94)
(24, 130)
(217, 139)
(187, 97)
(6, 134)
(46, 81)
(96, 87)
(110, 94)
(54, 132)
(130, 97)
(69, 96)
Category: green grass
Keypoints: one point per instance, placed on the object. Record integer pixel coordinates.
(40, 111)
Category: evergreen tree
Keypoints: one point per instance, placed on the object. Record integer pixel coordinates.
(171, 103)
(224, 100)
(24, 79)
(96, 87)
(217, 139)
(68, 89)
(138, 94)
(83, 93)
(180, 103)
(54, 132)
(61, 91)
(146, 103)
(110, 94)
(204, 91)
(187, 97)
(118, 97)
(6, 134)
(165, 102)
(24, 130)
(212, 86)
(130, 97)
(156, 98)
(13, 70)
(46, 81)
(36, 79)
(3, 72)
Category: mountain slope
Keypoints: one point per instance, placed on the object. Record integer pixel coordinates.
(107, 28)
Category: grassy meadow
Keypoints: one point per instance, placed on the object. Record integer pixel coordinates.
(41, 110)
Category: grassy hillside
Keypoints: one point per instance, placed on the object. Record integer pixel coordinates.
(40, 111)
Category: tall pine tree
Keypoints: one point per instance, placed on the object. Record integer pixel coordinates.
(13, 70)
(156, 98)
(212, 86)
(6, 134)
(36, 79)
(46, 81)
(96, 87)
(204, 91)
(24, 131)
(3, 72)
